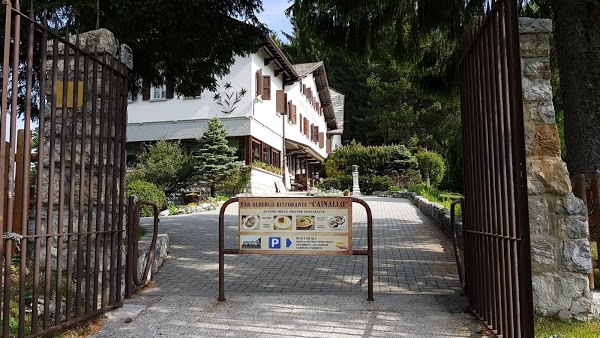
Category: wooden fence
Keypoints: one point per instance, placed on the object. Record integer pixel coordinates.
(589, 192)
(22, 170)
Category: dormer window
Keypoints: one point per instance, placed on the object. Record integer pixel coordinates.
(159, 93)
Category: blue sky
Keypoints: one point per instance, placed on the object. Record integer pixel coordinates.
(274, 17)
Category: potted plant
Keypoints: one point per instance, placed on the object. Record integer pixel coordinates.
(193, 197)
(347, 192)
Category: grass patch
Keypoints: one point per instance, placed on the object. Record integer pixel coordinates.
(555, 328)
(434, 195)
(142, 231)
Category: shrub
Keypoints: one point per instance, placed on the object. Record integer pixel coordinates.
(166, 165)
(382, 160)
(146, 191)
(237, 182)
(453, 177)
(172, 209)
(431, 165)
(338, 183)
(378, 167)
(407, 178)
(381, 183)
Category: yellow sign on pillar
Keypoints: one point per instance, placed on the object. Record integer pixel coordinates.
(70, 91)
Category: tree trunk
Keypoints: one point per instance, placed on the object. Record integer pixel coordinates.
(577, 38)
(212, 190)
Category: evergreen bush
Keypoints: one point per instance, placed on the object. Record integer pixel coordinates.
(146, 191)
(453, 177)
(381, 183)
(431, 165)
(166, 165)
(216, 160)
(379, 166)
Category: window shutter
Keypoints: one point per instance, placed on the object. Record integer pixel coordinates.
(328, 145)
(290, 111)
(306, 131)
(312, 132)
(146, 92)
(266, 94)
(301, 123)
(321, 140)
(259, 83)
(304, 90)
(294, 116)
(318, 109)
(309, 93)
(280, 102)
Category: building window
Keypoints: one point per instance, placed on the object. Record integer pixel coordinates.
(256, 151)
(276, 159)
(159, 93)
(266, 94)
(266, 154)
(239, 144)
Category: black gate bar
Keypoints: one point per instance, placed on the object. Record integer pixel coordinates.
(495, 208)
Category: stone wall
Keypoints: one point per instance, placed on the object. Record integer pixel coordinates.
(560, 250)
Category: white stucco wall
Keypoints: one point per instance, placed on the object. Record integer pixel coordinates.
(203, 108)
(263, 182)
(336, 141)
(304, 108)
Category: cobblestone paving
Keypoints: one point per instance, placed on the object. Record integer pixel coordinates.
(411, 257)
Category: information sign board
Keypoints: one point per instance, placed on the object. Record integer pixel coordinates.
(304, 225)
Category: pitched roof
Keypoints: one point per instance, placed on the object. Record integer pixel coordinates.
(318, 71)
(304, 69)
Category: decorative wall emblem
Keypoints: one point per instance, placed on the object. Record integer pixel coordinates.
(229, 98)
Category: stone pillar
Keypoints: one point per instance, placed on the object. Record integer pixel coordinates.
(355, 185)
(67, 137)
(560, 249)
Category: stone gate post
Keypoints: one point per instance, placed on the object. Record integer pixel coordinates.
(82, 161)
(560, 249)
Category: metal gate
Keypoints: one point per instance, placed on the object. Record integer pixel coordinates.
(61, 191)
(497, 248)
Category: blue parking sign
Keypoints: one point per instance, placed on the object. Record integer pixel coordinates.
(274, 242)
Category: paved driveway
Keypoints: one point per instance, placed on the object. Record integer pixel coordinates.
(411, 256)
(416, 285)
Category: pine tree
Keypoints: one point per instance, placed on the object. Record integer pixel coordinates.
(216, 159)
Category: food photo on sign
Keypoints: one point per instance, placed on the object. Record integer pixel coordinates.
(250, 222)
(282, 222)
(337, 223)
(305, 223)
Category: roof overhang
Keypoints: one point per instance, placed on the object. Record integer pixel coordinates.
(289, 74)
(300, 149)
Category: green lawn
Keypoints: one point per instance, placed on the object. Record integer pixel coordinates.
(434, 195)
(554, 328)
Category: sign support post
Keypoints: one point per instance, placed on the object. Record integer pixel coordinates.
(317, 226)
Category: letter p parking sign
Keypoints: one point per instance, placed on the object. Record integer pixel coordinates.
(274, 242)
